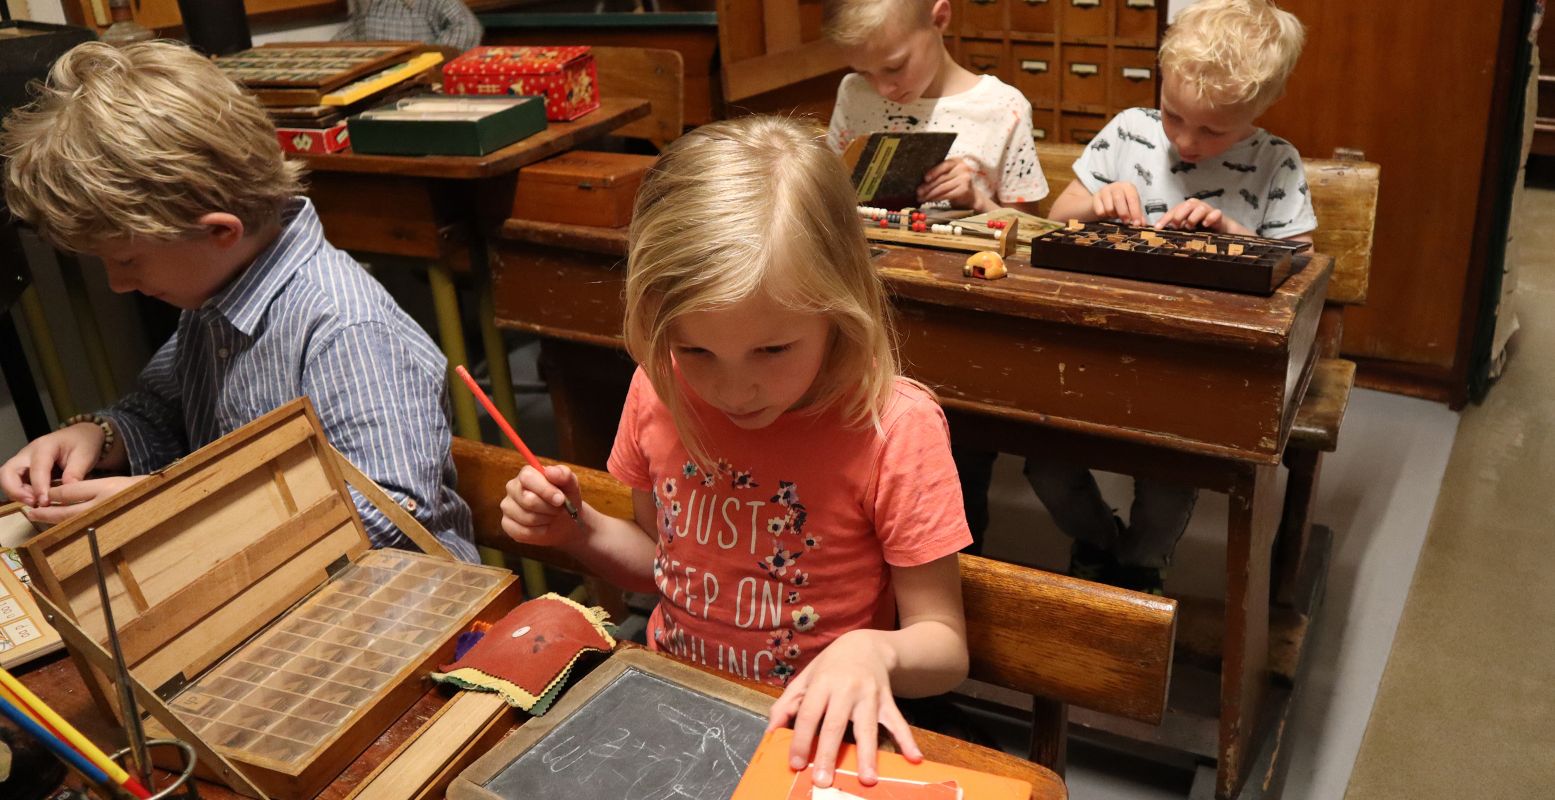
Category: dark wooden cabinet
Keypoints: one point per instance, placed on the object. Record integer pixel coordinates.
(1087, 59)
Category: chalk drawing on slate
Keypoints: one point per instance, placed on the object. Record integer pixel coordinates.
(640, 738)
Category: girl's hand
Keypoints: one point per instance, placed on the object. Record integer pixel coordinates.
(953, 180)
(70, 499)
(534, 513)
(849, 682)
(1119, 201)
(75, 450)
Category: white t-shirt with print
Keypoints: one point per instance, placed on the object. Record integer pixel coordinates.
(1259, 182)
(991, 120)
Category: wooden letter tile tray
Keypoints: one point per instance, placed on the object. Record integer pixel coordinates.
(247, 596)
(1236, 263)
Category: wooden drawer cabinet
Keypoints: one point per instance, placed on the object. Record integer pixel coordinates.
(985, 58)
(1036, 73)
(1082, 128)
(1137, 22)
(1084, 79)
(1033, 16)
(1085, 19)
(1133, 76)
(983, 16)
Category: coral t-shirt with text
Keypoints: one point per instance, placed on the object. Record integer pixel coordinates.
(785, 544)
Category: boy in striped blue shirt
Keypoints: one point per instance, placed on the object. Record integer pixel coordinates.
(151, 159)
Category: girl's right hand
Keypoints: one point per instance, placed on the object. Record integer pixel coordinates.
(1119, 201)
(534, 510)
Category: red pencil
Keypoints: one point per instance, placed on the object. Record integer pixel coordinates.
(512, 435)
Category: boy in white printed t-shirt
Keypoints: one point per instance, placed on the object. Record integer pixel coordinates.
(904, 80)
(1197, 163)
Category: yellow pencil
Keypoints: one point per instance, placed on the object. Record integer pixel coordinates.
(34, 707)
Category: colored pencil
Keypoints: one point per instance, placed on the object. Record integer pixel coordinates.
(491, 408)
(28, 703)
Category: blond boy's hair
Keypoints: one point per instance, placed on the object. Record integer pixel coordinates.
(757, 204)
(1235, 53)
(855, 22)
(140, 142)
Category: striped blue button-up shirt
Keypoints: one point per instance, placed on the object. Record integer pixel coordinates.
(306, 319)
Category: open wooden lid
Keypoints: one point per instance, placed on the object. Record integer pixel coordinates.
(203, 554)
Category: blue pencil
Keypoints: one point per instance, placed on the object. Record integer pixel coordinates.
(59, 748)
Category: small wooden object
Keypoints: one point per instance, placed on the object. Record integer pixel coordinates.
(248, 600)
(581, 188)
(1203, 259)
(301, 73)
(421, 769)
(638, 721)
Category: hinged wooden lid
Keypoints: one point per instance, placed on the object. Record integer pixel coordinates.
(205, 553)
(585, 168)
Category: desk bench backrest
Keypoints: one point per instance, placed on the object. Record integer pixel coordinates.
(1344, 196)
(1047, 635)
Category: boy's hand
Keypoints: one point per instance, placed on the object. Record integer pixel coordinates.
(534, 512)
(953, 180)
(1195, 214)
(75, 450)
(1119, 201)
(70, 499)
(848, 683)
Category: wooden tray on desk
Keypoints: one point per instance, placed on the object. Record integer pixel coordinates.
(1205, 259)
(247, 598)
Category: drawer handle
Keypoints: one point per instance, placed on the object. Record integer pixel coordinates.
(1084, 69)
(986, 66)
(1036, 2)
(1138, 73)
(1085, 3)
(1140, 3)
(1039, 134)
(984, 2)
(1083, 137)
(1033, 66)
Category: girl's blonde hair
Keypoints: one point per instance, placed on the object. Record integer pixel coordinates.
(1236, 53)
(140, 142)
(855, 22)
(757, 204)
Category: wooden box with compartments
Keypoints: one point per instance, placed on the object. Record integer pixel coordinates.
(254, 616)
(581, 188)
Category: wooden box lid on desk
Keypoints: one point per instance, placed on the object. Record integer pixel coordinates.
(247, 597)
(581, 188)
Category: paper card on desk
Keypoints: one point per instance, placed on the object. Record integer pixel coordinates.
(23, 633)
(769, 778)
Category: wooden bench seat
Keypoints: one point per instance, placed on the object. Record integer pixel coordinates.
(1317, 422)
(1059, 639)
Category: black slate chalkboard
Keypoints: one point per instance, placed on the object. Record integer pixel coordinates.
(640, 736)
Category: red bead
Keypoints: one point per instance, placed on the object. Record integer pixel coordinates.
(884, 224)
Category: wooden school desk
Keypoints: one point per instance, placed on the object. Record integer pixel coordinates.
(1182, 384)
(437, 209)
(59, 684)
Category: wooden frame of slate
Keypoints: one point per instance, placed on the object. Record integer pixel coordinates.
(595, 736)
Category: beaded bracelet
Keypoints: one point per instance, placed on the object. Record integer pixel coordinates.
(98, 420)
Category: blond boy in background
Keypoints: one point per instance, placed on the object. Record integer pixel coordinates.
(904, 80)
(1199, 162)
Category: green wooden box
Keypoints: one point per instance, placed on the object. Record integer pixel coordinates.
(440, 125)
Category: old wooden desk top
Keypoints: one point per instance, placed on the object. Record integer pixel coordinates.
(1208, 373)
(57, 682)
(613, 112)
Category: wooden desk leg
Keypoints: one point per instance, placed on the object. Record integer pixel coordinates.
(491, 338)
(1244, 669)
(445, 302)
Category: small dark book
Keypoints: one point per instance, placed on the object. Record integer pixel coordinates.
(892, 165)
